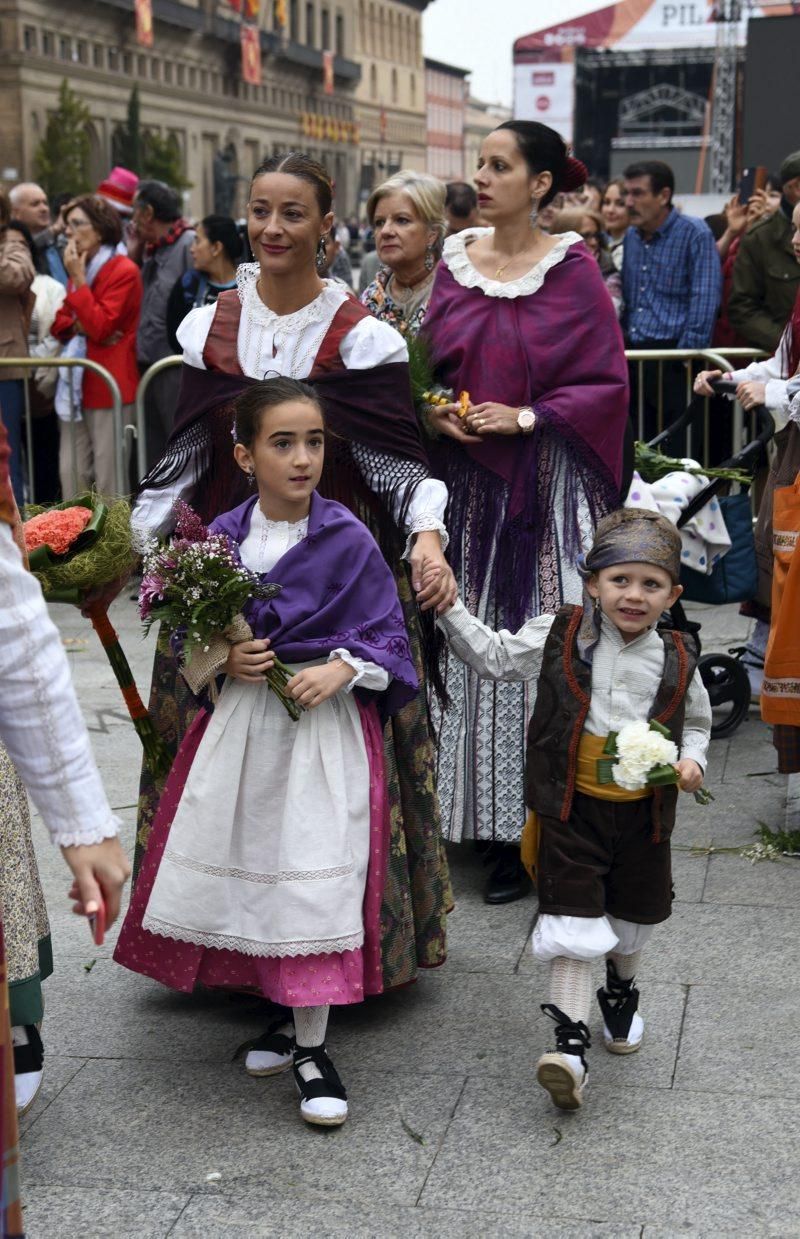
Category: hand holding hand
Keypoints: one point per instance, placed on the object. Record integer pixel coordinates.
(690, 776)
(100, 871)
(490, 418)
(751, 394)
(431, 575)
(703, 381)
(249, 661)
(314, 685)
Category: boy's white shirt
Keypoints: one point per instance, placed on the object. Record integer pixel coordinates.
(625, 676)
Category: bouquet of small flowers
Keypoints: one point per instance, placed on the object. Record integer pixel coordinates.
(197, 586)
(642, 755)
(76, 549)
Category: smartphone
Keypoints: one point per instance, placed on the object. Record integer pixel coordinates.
(751, 180)
(97, 924)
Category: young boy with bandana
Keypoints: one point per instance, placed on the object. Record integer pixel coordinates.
(603, 866)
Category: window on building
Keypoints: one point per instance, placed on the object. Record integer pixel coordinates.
(127, 63)
(168, 71)
(155, 70)
(310, 26)
(83, 52)
(204, 81)
(192, 77)
(294, 19)
(373, 82)
(326, 29)
(339, 47)
(394, 86)
(98, 56)
(181, 74)
(113, 58)
(29, 39)
(65, 48)
(48, 43)
(413, 86)
(141, 66)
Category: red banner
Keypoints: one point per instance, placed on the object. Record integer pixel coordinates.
(327, 72)
(144, 22)
(251, 55)
(250, 10)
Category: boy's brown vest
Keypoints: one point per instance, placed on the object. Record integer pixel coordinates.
(562, 704)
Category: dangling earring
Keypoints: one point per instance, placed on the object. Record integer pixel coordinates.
(429, 258)
(251, 477)
(596, 605)
(321, 254)
(534, 211)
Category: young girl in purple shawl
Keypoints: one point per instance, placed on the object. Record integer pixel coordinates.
(268, 855)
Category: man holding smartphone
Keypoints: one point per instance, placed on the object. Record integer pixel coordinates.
(766, 276)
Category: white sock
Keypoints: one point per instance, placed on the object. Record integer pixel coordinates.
(310, 1025)
(626, 965)
(571, 987)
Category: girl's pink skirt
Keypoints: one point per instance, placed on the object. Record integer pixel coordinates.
(299, 981)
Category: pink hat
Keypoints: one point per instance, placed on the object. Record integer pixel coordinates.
(119, 188)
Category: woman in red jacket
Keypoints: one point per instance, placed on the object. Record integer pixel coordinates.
(97, 320)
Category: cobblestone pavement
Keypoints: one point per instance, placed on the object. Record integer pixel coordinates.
(147, 1128)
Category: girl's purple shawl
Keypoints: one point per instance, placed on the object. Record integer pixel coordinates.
(336, 592)
(559, 350)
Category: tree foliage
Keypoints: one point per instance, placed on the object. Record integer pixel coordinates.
(61, 162)
(146, 153)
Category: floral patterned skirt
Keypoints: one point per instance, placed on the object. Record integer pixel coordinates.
(27, 932)
(417, 894)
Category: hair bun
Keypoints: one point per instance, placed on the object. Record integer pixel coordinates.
(575, 175)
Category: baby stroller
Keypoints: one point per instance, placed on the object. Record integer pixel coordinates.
(724, 675)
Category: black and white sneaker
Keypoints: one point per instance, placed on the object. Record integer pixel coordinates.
(563, 1071)
(323, 1097)
(271, 1053)
(623, 1026)
(28, 1065)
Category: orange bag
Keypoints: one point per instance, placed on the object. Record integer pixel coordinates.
(780, 696)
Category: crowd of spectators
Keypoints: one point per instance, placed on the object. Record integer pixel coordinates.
(110, 276)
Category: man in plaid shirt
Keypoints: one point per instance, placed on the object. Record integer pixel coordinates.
(671, 284)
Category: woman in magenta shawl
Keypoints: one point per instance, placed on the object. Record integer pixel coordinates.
(524, 324)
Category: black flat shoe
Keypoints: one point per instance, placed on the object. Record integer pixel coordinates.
(323, 1102)
(509, 879)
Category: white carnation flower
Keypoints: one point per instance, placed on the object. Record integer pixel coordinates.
(640, 750)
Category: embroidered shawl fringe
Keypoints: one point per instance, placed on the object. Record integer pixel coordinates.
(485, 540)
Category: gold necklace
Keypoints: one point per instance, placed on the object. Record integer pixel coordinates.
(513, 258)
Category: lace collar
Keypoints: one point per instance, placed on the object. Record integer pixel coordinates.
(457, 260)
(298, 529)
(319, 310)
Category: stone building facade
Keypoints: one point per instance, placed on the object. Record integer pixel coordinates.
(446, 94)
(190, 87)
(390, 97)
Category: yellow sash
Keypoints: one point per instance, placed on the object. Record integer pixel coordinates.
(590, 750)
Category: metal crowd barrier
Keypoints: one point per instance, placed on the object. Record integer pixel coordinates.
(34, 363)
(711, 359)
(141, 425)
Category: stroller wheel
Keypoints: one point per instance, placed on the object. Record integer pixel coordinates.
(728, 687)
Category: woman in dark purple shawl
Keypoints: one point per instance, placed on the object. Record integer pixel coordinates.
(524, 324)
(283, 319)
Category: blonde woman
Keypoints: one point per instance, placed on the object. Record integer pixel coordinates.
(407, 216)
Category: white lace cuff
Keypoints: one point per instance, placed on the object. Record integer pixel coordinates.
(86, 838)
(367, 674)
(421, 524)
